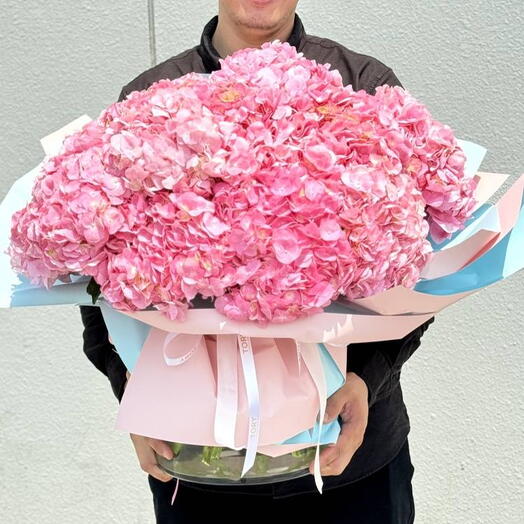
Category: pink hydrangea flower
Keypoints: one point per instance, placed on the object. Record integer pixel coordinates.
(266, 185)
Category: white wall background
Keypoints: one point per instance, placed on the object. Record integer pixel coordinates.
(61, 461)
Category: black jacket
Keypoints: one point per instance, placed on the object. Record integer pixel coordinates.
(377, 363)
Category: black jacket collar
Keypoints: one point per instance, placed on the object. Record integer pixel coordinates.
(210, 55)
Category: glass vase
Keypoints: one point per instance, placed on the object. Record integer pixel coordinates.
(222, 466)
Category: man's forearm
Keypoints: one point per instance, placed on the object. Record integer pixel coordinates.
(100, 351)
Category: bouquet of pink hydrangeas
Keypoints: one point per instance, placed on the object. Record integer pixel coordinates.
(267, 185)
(266, 191)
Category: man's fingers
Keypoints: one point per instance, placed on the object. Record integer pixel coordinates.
(328, 455)
(152, 469)
(147, 458)
(350, 403)
(350, 439)
(335, 458)
(337, 461)
(162, 448)
(334, 405)
(354, 422)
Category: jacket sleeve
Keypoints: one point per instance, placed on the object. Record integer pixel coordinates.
(379, 363)
(100, 352)
(385, 77)
(97, 348)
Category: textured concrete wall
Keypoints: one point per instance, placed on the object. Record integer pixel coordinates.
(61, 461)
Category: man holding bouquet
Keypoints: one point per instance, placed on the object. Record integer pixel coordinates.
(368, 471)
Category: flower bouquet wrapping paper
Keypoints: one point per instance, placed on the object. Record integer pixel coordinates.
(239, 230)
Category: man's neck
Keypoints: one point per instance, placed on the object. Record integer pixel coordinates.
(228, 38)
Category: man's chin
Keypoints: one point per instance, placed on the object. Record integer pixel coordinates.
(259, 26)
(257, 23)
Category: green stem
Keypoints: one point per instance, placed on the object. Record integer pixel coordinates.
(176, 447)
(299, 453)
(210, 453)
(261, 463)
(206, 455)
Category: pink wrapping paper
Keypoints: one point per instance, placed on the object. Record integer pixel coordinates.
(337, 329)
(505, 214)
(178, 403)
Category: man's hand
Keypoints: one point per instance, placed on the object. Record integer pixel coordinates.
(350, 402)
(145, 448)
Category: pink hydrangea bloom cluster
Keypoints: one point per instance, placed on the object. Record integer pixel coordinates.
(267, 185)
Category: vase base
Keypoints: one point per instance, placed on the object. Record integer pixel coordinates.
(237, 482)
(223, 466)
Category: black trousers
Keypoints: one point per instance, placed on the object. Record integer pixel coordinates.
(384, 497)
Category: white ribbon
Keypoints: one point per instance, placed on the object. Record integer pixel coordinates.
(227, 391)
(311, 356)
(253, 399)
(193, 341)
